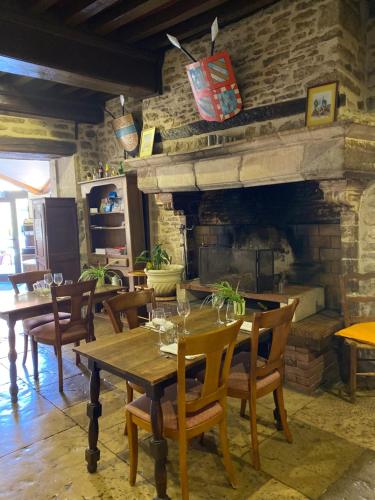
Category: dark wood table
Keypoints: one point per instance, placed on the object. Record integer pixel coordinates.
(14, 308)
(135, 356)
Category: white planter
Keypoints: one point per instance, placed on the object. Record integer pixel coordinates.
(164, 281)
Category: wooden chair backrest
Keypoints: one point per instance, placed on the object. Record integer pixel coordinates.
(348, 298)
(76, 293)
(27, 279)
(129, 303)
(214, 344)
(279, 321)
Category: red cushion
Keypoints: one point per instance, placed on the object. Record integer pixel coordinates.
(30, 323)
(141, 407)
(239, 374)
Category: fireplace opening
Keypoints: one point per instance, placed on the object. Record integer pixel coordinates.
(230, 230)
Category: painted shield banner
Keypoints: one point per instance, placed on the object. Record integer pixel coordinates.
(214, 87)
(126, 133)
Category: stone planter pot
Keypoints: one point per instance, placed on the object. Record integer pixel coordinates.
(164, 281)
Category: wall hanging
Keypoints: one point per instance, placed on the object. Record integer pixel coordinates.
(125, 130)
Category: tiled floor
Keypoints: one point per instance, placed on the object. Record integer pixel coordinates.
(43, 438)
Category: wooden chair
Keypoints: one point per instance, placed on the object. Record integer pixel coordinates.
(252, 377)
(133, 305)
(189, 407)
(67, 331)
(359, 331)
(28, 324)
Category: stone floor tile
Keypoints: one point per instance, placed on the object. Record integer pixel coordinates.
(64, 454)
(274, 490)
(353, 422)
(294, 400)
(312, 462)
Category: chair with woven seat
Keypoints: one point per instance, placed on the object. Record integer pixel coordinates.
(252, 377)
(28, 279)
(190, 408)
(133, 305)
(66, 331)
(359, 331)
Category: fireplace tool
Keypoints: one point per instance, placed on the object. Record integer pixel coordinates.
(183, 245)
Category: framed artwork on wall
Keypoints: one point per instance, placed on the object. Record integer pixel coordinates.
(147, 142)
(321, 104)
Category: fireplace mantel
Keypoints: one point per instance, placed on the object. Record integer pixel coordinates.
(305, 154)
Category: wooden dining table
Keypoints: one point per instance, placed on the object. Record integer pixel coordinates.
(15, 307)
(135, 356)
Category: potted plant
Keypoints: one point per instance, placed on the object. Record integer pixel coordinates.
(162, 275)
(96, 272)
(230, 295)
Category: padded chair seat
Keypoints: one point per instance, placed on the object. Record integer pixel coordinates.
(46, 333)
(30, 323)
(141, 407)
(360, 332)
(239, 375)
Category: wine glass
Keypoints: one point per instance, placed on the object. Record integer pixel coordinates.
(230, 315)
(158, 319)
(48, 278)
(217, 303)
(183, 309)
(58, 278)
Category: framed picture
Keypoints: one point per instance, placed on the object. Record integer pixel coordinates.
(147, 142)
(321, 104)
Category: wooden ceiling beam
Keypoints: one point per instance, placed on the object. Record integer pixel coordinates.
(176, 14)
(29, 47)
(85, 9)
(23, 103)
(42, 5)
(121, 15)
(25, 148)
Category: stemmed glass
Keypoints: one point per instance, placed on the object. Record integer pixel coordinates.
(158, 318)
(48, 278)
(58, 278)
(217, 303)
(183, 309)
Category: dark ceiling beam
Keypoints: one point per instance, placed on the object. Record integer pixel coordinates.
(23, 148)
(42, 5)
(25, 104)
(123, 14)
(29, 47)
(201, 25)
(85, 9)
(178, 13)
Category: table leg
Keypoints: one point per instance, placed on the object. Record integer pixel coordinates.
(12, 356)
(94, 411)
(159, 450)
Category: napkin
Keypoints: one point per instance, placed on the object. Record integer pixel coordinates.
(173, 348)
(247, 326)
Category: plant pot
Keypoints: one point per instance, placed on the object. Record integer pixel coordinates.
(100, 283)
(239, 307)
(164, 281)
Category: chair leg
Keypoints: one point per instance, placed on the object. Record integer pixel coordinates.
(228, 464)
(243, 407)
(129, 399)
(78, 357)
(182, 450)
(353, 371)
(282, 413)
(25, 347)
(254, 433)
(34, 354)
(276, 413)
(133, 448)
(60, 368)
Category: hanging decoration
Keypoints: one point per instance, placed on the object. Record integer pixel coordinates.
(125, 130)
(213, 82)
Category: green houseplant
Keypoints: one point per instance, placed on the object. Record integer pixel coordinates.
(230, 295)
(162, 275)
(96, 272)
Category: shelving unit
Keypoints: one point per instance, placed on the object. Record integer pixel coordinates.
(121, 228)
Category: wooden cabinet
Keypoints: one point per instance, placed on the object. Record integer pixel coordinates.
(115, 234)
(56, 236)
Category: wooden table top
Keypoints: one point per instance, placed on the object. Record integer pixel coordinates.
(10, 302)
(135, 354)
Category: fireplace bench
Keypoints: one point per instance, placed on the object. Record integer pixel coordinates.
(311, 357)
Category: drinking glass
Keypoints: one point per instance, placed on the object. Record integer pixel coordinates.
(230, 314)
(48, 278)
(183, 309)
(58, 278)
(68, 282)
(158, 318)
(217, 303)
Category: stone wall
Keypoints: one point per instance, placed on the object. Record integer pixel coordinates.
(371, 61)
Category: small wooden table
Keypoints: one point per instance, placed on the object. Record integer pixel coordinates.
(14, 308)
(135, 356)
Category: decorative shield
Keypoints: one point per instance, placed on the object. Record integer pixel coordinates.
(214, 87)
(126, 133)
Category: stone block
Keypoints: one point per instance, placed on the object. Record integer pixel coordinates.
(220, 172)
(176, 178)
(147, 180)
(330, 254)
(329, 229)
